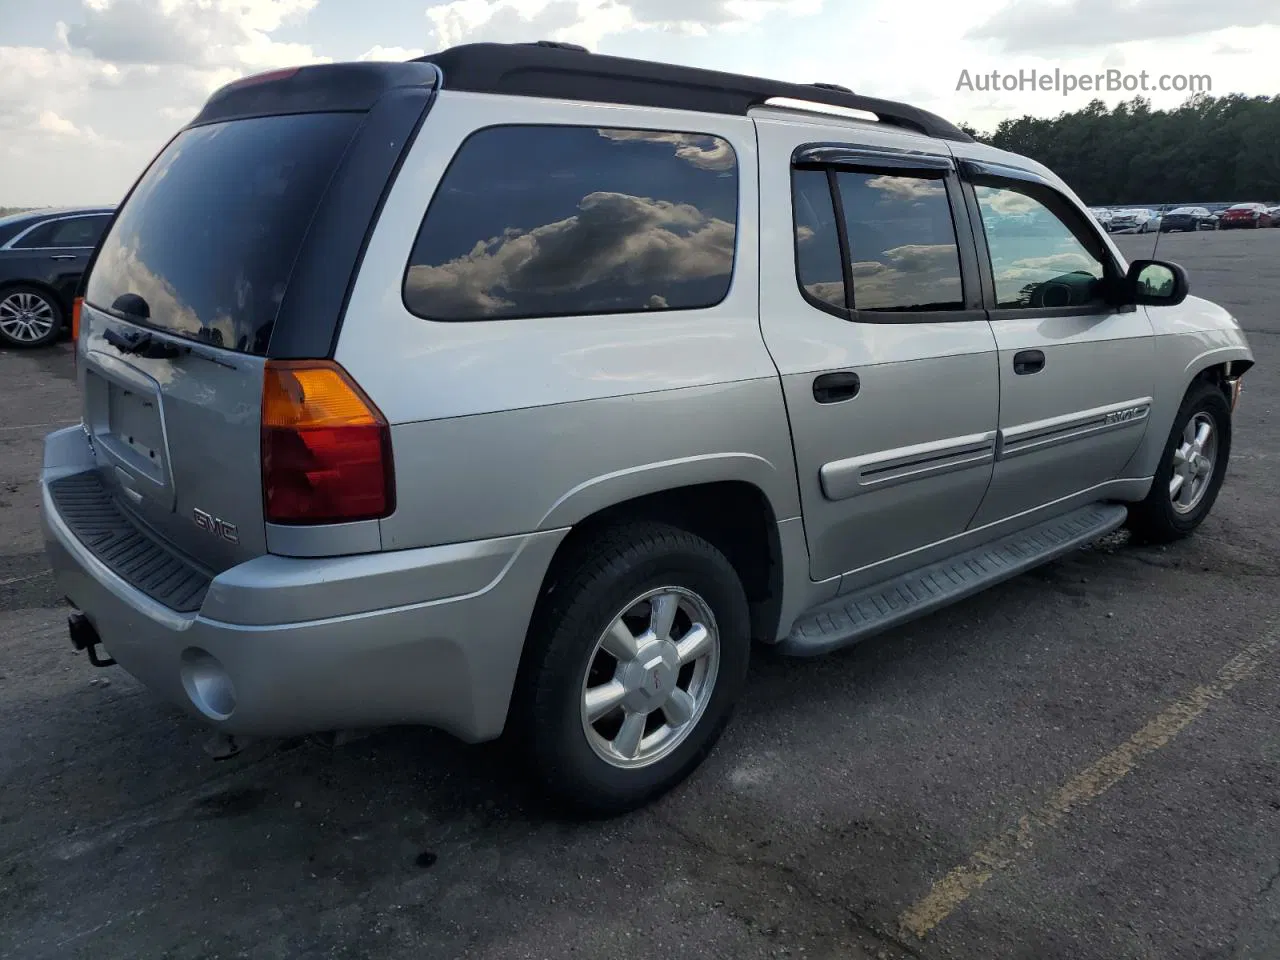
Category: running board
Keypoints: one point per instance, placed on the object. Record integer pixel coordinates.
(848, 619)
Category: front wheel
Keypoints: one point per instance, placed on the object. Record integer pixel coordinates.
(634, 662)
(1191, 470)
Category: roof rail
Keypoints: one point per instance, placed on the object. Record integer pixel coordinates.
(565, 71)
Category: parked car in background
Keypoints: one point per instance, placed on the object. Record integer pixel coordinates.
(42, 255)
(1188, 218)
(1135, 220)
(1102, 215)
(1246, 216)
(1275, 216)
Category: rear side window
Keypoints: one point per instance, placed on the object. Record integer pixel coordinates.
(896, 231)
(817, 239)
(902, 242)
(544, 221)
(205, 244)
(65, 232)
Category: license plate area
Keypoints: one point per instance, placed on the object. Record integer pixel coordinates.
(133, 422)
(127, 424)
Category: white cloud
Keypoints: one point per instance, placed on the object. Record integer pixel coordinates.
(906, 276)
(199, 33)
(1026, 25)
(588, 22)
(133, 70)
(626, 241)
(706, 153)
(380, 52)
(50, 122)
(512, 21)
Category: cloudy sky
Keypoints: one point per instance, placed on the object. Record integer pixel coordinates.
(89, 89)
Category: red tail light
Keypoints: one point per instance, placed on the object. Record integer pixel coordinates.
(326, 449)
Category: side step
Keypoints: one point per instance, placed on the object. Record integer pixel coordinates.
(853, 617)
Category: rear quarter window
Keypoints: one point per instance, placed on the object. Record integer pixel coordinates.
(545, 221)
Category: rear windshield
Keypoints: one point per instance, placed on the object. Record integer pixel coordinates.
(205, 245)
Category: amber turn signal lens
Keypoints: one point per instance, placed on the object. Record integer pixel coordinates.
(326, 449)
(313, 394)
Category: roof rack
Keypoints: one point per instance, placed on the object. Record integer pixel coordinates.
(567, 71)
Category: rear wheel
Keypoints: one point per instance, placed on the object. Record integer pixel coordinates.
(29, 317)
(1191, 471)
(635, 660)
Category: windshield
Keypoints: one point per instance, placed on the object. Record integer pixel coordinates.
(205, 245)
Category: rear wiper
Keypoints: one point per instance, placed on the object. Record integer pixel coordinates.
(143, 344)
(140, 344)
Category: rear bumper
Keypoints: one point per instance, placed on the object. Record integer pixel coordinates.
(285, 646)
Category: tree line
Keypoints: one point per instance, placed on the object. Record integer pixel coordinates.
(1207, 150)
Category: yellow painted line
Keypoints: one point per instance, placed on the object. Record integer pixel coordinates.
(1000, 852)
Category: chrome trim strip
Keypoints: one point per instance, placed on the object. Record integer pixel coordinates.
(1041, 434)
(45, 249)
(841, 479)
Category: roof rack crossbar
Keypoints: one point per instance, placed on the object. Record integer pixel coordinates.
(564, 72)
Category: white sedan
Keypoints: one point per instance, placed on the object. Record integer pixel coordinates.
(1135, 220)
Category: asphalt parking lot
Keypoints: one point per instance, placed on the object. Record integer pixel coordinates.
(1082, 763)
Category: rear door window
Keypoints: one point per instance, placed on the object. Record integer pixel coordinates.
(205, 244)
(902, 242)
(38, 238)
(80, 232)
(69, 232)
(818, 267)
(900, 238)
(545, 221)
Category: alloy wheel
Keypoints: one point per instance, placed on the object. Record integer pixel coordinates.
(650, 677)
(26, 317)
(1194, 460)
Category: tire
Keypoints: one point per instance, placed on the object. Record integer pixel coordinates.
(29, 317)
(1156, 519)
(562, 658)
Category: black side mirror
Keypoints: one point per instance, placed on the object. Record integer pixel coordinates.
(1156, 283)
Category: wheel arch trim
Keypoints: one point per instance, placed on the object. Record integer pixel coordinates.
(619, 486)
(1146, 459)
(50, 291)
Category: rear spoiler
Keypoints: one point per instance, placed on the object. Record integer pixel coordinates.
(320, 88)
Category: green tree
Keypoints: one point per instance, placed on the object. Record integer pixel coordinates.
(1209, 149)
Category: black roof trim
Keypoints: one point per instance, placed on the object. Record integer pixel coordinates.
(317, 88)
(562, 72)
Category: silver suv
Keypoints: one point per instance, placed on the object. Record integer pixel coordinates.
(520, 389)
